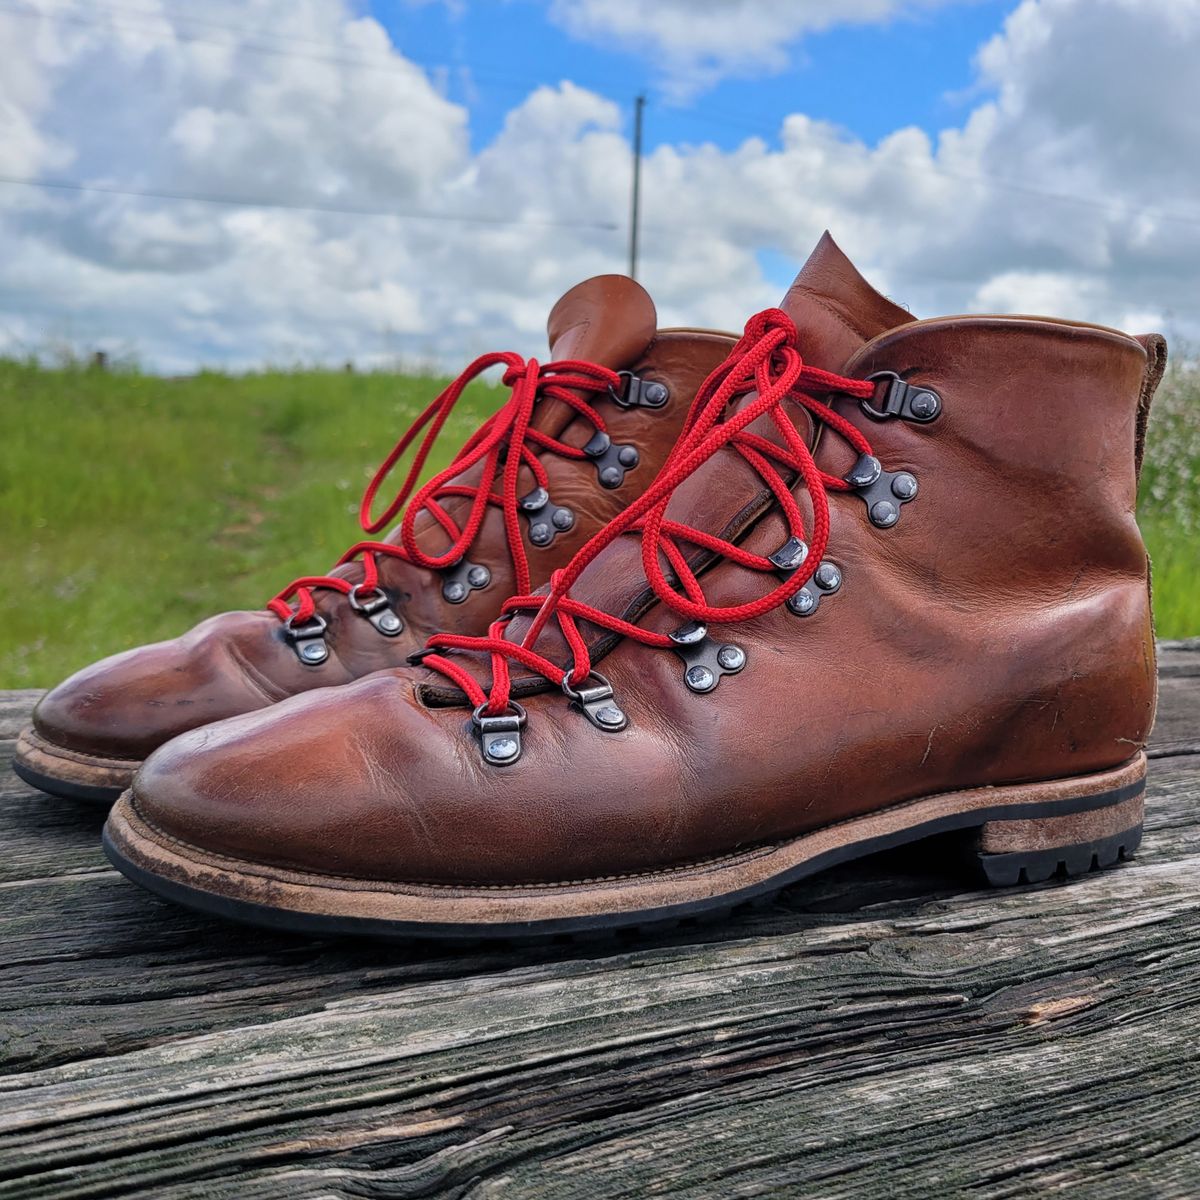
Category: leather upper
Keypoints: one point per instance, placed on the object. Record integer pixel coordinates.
(998, 632)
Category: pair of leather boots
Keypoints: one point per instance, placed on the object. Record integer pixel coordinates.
(691, 617)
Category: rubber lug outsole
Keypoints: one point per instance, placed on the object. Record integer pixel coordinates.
(1038, 866)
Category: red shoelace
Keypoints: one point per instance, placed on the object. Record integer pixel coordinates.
(766, 359)
(504, 442)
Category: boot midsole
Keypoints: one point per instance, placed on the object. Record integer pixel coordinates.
(67, 772)
(1027, 816)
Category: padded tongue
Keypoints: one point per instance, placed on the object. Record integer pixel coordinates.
(608, 319)
(835, 309)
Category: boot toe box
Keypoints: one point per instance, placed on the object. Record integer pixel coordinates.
(125, 706)
(303, 785)
(364, 783)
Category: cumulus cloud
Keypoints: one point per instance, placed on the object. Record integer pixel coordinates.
(1067, 189)
(696, 43)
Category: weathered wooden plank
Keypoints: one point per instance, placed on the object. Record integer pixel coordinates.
(885, 1029)
(1179, 658)
(152, 971)
(1177, 729)
(15, 708)
(962, 993)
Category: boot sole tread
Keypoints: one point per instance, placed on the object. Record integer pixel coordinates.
(1105, 807)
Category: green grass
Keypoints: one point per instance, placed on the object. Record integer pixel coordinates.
(1176, 578)
(132, 506)
(1169, 504)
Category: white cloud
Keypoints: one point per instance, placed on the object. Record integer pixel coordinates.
(1091, 99)
(696, 43)
(1035, 292)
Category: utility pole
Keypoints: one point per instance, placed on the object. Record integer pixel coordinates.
(635, 205)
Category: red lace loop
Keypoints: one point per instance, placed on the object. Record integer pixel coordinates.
(503, 443)
(765, 360)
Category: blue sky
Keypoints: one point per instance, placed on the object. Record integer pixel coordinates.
(240, 181)
(869, 79)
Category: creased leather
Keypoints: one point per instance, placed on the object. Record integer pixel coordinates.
(999, 633)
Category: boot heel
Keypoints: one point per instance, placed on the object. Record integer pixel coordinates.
(1032, 850)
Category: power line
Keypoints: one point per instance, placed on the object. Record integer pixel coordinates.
(764, 126)
(485, 219)
(69, 185)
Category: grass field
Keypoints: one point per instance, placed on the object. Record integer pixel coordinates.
(132, 506)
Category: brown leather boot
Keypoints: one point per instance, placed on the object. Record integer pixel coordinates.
(850, 613)
(593, 426)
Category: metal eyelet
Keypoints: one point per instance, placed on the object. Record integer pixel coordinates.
(546, 519)
(612, 460)
(824, 581)
(882, 491)
(462, 578)
(596, 703)
(377, 609)
(790, 557)
(308, 640)
(500, 737)
(705, 660)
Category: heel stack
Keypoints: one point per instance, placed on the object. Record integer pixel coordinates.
(1032, 850)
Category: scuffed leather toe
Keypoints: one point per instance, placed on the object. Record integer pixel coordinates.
(285, 786)
(366, 782)
(127, 705)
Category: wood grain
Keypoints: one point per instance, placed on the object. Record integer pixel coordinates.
(884, 1030)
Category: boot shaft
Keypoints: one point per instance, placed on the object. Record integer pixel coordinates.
(1024, 529)
(1029, 467)
(999, 628)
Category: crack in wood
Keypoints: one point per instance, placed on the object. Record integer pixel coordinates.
(882, 1030)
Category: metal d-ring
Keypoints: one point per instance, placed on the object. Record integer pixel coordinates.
(639, 392)
(377, 609)
(500, 737)
(308, 640)
(596, 702)
(909, 401)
